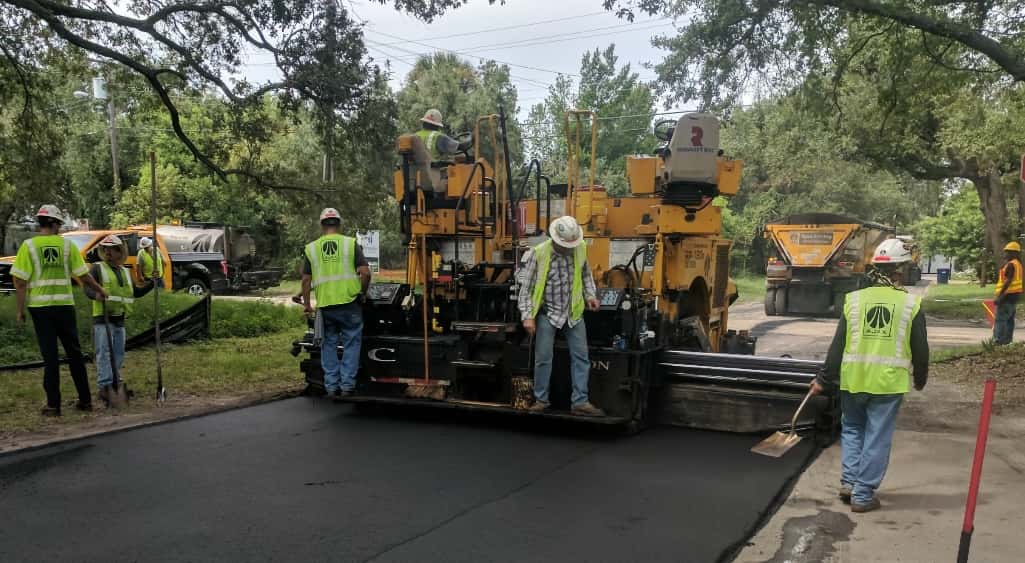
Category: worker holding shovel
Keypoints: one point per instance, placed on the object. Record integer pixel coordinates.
(109, 317)
(879, 344)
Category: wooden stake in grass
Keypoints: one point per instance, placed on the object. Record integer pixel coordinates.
(161, 392)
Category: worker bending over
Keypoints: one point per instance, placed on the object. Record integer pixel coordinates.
(335, 268)
(439, 145)
(1009, 289)
(109, 316)
(149, 263)
(555, 286)
(880, 341)
(42, 274)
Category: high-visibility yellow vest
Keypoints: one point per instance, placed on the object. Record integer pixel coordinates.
(151, 264)
(430, 139)
(333, 264)
(47, 263)
(120, 295)
(543, 255)
(877, 351)
(1016, 285)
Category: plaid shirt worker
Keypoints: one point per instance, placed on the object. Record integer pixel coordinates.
(557, 298)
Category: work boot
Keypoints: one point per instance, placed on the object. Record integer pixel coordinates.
(538, 406)
(867, 507)
(587, 409)
(83, 406)
(50, 411)
(845, 493)
(104, 394)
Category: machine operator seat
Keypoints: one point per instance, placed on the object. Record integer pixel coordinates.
(430, 177)
(690, 172)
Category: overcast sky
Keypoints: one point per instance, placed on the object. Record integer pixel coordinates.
(536, 49)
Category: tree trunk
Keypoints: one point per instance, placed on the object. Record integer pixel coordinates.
(1021, 208)
(993, 205)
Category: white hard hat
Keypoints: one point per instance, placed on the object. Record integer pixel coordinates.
(892, 251)
(145, 242)
(433, 117)
(111, 240)
(329, 213)
(50, 211)
(565, 232)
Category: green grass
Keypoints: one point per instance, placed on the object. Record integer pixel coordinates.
(231, 319)
(751, 288)
(194, 374)
(18, 343)
(957, 301)
(947, 354)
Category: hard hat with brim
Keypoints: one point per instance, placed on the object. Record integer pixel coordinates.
(433, 117)
(111, 241)
(329, 213)
(1012, 246)
(565, 232)
(892, 251)
(145, 242)
(50, 212)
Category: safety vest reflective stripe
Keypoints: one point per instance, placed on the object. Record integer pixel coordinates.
(853, 320)
(342, 277)
(47, 283)
(19, 273)
(52, 297)
(877, 360)
(1016, 282)
(117, 299)
(905, 320)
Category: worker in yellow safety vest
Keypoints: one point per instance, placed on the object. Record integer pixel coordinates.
(1009, 289)
(335, 269)
(109, 316)
(149, 262)
(880, 343)
(42, 273)
(555, 286)
(439, 145)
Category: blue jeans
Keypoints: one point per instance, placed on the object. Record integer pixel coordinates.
(867, 434)
(101, 348)
(345, 321)
(544, 348)
(1003, 324)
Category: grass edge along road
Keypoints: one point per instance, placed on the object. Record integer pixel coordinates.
(957, 301)
(247, 357)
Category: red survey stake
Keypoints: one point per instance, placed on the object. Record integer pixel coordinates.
(973, 484)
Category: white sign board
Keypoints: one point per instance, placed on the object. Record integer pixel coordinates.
(371, 243)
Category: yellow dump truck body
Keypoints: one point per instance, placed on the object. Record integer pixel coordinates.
(817, 259)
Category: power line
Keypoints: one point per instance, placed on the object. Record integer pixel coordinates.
(528, 67)
(415, 53)
(560, 39)
(504, 28)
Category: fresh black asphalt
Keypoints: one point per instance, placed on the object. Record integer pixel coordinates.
(306, 480)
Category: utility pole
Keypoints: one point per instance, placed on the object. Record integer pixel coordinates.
(100, 92)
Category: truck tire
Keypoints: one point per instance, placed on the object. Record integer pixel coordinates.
(770, 302)
(195, 286)
(781, 301)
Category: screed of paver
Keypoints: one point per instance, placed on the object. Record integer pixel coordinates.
(304, 480)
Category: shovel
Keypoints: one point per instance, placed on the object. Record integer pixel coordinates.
(781, 442)
(120, 397)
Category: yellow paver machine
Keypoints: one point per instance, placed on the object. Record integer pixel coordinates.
(449, 336)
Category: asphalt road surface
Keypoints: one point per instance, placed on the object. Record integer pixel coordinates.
(305, 480)
(808, 337)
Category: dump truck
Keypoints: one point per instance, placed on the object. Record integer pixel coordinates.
(449, 336)
(816, 259)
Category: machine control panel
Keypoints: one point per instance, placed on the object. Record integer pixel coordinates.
(609, 298)
(384, 293)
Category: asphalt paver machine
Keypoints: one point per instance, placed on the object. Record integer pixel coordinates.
(449, 335)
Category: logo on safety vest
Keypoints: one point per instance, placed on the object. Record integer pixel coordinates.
(878, 321)
(329, 251)
(51, 256)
